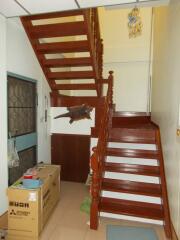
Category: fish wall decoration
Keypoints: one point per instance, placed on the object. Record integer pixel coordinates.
(77, 113)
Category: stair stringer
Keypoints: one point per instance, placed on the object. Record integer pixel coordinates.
(165, 203)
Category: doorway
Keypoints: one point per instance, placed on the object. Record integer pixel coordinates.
(22, 123)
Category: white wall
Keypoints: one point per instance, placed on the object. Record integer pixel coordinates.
(18, 57)
(128, 58)
(166, 96)
(3, 118)
(22, 60)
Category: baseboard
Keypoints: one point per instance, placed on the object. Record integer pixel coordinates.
(175, 237)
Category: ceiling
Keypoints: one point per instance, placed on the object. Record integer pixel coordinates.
(12, 8)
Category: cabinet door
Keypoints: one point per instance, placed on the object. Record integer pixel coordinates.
(72, 152)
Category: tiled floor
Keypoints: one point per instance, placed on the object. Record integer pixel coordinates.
(69, 223)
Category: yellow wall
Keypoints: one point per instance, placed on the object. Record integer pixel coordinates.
(166, 96)
(128, 58)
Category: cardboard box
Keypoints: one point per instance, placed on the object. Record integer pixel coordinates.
(24, 214)
(50, 190)
(29, 209)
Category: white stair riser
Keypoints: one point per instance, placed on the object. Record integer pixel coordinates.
(131, 197)
(132, 145)
(132, 177)
(129, 218)
(139, 161)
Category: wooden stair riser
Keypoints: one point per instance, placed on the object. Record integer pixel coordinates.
(53, 15)
(71, 75)
(58, 30)
(131, 187)
(67, 62)
(132, 169)
(130, 119)
(74, 87)
(63, 47)
(132, 208)
(132, 153)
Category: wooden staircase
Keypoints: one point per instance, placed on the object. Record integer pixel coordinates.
(69, 49)
(128, 179)
(131, 175)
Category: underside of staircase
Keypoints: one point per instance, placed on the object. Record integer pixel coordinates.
(66, 45)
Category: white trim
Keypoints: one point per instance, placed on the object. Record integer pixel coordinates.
(131, 177)
(131, 197)
(129, 218)
(126, 160)
(132, 146)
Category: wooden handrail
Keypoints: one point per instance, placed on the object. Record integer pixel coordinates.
(96, 45)
(98, 157)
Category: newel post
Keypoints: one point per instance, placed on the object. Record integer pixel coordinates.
(94, 213)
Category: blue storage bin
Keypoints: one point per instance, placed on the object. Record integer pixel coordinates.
(32, 183)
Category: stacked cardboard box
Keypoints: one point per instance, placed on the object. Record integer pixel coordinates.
(29, 209)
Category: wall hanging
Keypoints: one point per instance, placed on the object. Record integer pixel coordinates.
(77, 113)
(134, 23)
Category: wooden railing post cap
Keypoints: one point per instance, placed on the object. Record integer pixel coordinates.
(111, 72)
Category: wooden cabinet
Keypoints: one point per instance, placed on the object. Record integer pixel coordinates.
(72, 152)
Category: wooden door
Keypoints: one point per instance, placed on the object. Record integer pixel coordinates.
(72, 152)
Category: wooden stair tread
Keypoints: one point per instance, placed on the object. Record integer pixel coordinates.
(57, 30)
(132, 208)
(124, 186)
(63, 47)
(132, 169)
(133, 153)
(67, 62)
(132, 135)
(71, 75)
(74, 87)
(54, 15)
